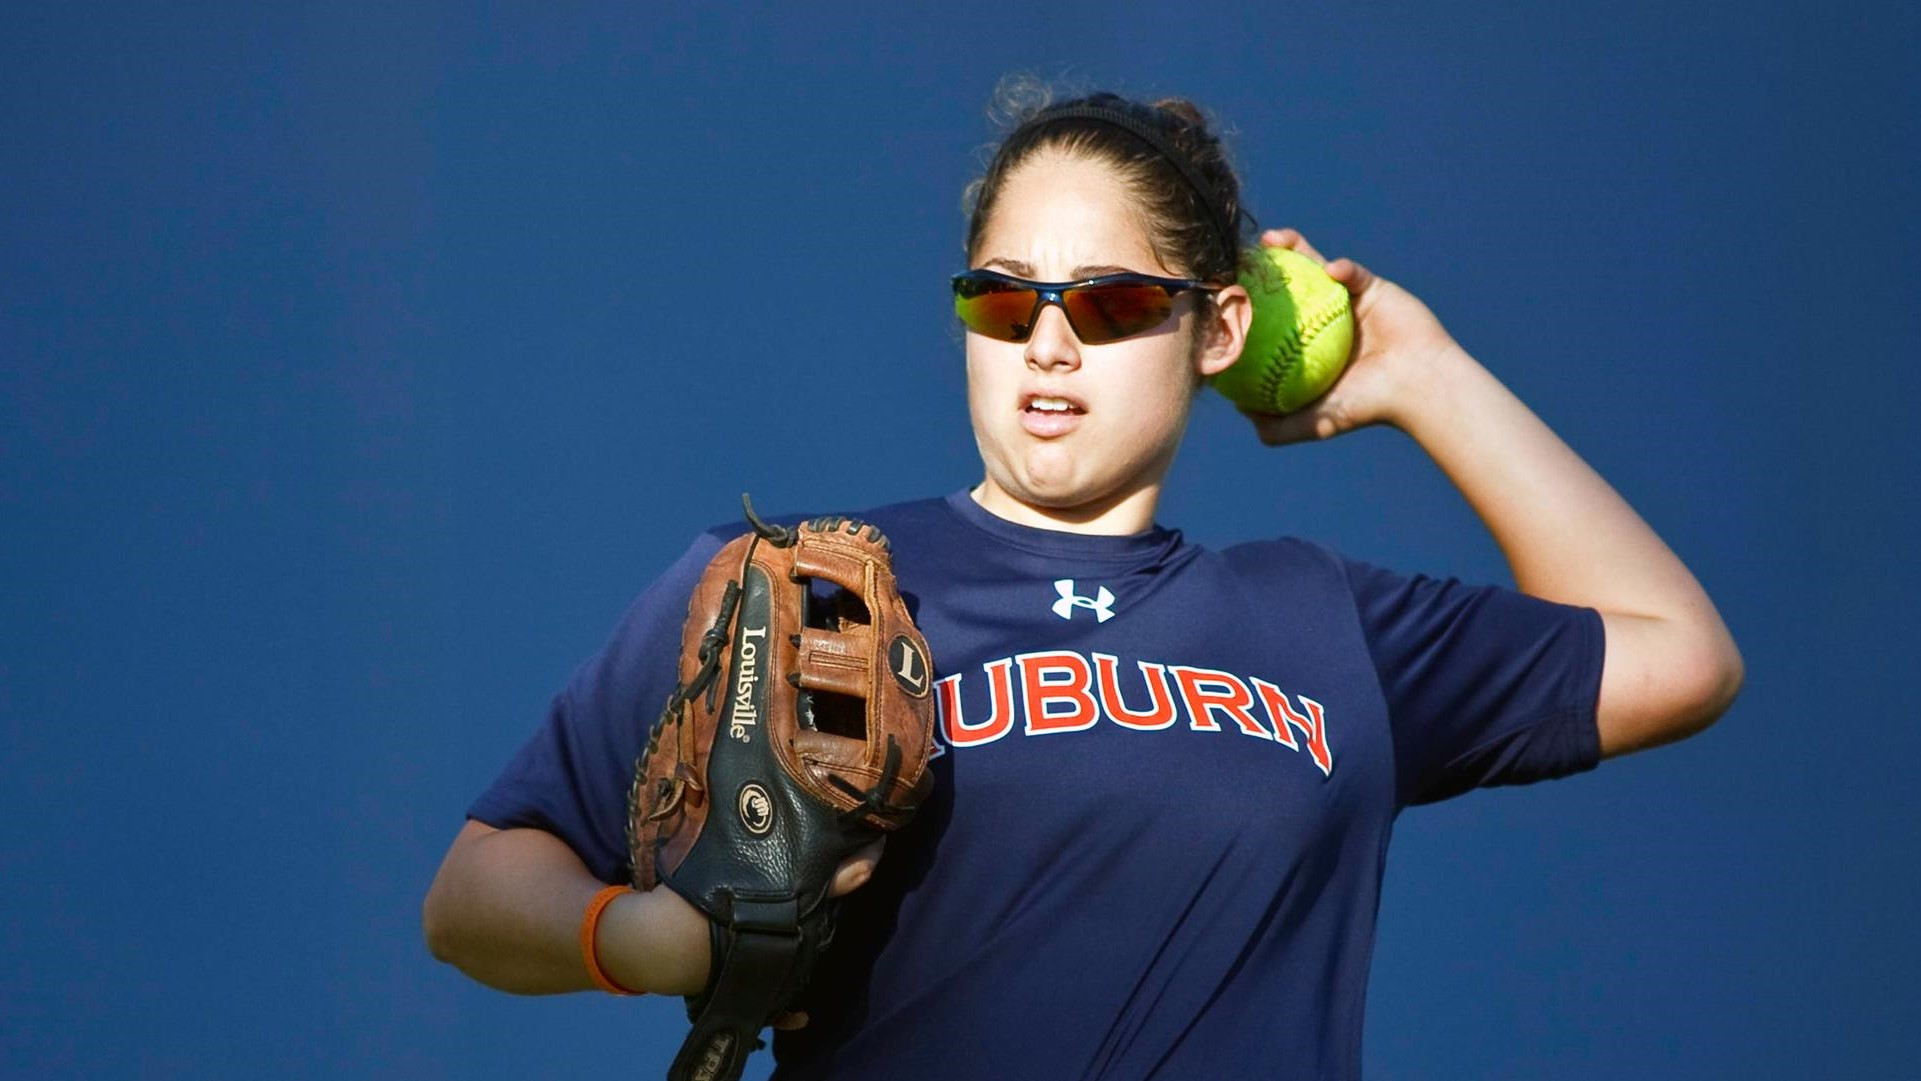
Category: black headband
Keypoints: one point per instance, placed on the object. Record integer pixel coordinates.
(1223, 229)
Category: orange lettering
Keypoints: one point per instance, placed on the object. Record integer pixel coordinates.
(1000, 720)
(1050, 681)
(1313, 724)
(1159, 715)
(1206, 689)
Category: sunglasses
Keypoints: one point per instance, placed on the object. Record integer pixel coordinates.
(1103, 309)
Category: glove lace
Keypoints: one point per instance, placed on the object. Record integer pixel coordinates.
(874, 800)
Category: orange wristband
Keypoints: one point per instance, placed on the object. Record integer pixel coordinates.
(589, 927)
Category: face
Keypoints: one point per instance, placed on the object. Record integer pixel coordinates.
(1080, 434)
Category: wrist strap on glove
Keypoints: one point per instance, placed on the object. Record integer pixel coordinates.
(758, 966)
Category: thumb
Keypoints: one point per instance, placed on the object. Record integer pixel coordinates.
(1355, 277)
(855, 870)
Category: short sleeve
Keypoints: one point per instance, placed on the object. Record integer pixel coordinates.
(571, 777)
(1484, 685)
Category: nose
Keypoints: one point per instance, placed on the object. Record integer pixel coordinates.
(1053, 345)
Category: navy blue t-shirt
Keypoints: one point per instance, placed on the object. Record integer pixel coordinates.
(1164, 793)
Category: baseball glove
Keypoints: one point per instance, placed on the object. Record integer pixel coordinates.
(799, 732)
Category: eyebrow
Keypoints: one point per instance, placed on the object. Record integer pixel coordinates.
(1022, 269)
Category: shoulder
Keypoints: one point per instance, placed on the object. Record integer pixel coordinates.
(1367, 585)
(1294, 561)
(930, 516)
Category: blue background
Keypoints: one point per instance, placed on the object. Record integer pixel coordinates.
(357, 366)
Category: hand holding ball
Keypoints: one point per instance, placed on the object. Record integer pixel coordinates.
(1300, 336)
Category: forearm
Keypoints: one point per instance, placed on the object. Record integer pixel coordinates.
(506, 909)
(1570, 538)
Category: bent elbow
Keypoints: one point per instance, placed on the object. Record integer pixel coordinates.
(1734, 673)
(448, 911)
(1719, 675)
(438, 930)
(446, 924)
(1657, 690)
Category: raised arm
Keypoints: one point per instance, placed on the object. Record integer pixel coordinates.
(1671, 666)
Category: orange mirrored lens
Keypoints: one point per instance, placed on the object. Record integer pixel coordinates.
(996, 310)
(1105, 313)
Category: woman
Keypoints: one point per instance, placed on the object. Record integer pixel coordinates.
(1169, 773)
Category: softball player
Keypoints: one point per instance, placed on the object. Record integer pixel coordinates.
(1168, 774)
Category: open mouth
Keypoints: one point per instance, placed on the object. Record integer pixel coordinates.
(1050, 416)
(1046, 405)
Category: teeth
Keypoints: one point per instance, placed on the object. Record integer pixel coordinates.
(1050, 405)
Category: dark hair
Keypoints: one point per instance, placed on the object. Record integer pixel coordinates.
(1197, 232)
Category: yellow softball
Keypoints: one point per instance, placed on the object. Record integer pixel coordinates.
(1299, 340)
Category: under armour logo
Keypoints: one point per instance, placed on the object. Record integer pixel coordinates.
(1102, 602)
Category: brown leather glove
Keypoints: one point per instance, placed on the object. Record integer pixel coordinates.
(800, 731)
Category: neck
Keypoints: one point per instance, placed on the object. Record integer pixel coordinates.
(1127, 511)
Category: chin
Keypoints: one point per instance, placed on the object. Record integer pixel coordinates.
(1056, 477)
(1064, 500)
(1071, 497)
(1061, 488)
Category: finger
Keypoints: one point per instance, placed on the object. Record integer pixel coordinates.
(1291, 238)
(790, 1022)
(855, 870)
(1303, 426)
(1280, 238)
(1351, 274)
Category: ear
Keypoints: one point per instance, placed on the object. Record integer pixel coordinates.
(1225, 334)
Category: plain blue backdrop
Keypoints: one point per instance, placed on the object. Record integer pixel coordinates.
(358, 365)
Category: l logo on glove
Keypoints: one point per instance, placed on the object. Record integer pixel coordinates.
(910, 668)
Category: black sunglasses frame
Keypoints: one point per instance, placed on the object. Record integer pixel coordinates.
(1055, 293)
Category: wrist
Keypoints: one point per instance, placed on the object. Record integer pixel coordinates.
(646, 944)
(596, 916)
(1430, 389)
